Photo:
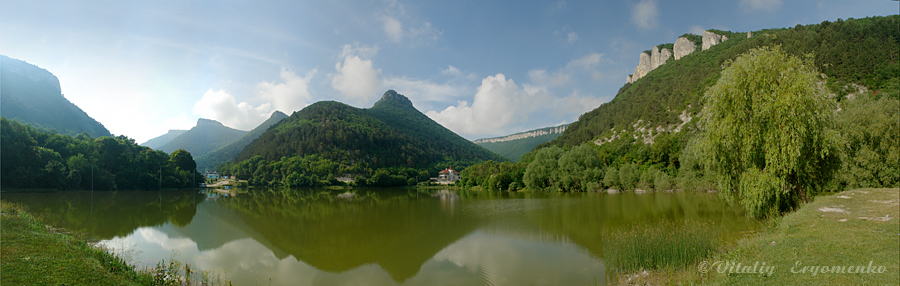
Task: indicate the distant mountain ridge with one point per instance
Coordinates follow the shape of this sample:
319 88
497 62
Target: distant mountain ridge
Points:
214 158
514 146
203 138
523 135
33 96
161 140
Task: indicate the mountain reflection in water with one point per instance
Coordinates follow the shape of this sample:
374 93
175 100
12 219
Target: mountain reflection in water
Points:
377 236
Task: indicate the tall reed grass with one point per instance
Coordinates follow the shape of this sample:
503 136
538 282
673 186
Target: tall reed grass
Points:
659 245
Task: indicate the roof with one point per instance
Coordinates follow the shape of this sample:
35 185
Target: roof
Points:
447 171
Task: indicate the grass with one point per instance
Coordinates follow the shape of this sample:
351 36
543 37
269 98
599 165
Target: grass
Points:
664 245
851 228
35 254
32 253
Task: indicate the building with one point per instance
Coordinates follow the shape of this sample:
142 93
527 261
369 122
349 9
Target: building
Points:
211 175
448 174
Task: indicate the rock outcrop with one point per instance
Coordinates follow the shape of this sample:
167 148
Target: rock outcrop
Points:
658 57
711 39
527 134
749 35
684 47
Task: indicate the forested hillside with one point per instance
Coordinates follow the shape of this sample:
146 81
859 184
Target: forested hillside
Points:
214 158
33 96
34 158
391 143
203 138
644 137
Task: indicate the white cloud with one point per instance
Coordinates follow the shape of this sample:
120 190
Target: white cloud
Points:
542 77
221 106
290 95
572 37
393 28
768 5
586 62
451 71
422 90
356 49
645 14
697 30
576 104
393 18
357 80
498 103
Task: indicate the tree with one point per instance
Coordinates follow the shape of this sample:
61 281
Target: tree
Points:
766 132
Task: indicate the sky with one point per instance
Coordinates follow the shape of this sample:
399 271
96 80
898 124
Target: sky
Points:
480 68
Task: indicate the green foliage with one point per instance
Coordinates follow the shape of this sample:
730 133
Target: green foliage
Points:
869 127
32 95
32 158
767 132
218 156
378 146
494 175
658 246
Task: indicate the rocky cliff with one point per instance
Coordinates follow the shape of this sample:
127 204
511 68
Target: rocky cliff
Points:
523 135
682 47
711 39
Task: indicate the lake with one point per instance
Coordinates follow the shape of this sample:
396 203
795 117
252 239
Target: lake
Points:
378 236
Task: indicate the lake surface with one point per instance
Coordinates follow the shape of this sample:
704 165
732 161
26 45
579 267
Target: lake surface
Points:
378 236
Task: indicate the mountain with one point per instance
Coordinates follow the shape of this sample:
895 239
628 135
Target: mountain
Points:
203 138
227 153
669 96
391 134
32 95
157 142
514 146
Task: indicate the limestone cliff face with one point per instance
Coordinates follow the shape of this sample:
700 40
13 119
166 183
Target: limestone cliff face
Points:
523 135
659 56
684 47
711 39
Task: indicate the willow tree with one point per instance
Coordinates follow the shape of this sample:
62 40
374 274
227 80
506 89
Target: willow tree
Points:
766 132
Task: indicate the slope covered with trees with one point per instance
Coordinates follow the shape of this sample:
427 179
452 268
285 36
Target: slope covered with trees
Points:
214 158
32 95
34 158
203 138
391 143
645 137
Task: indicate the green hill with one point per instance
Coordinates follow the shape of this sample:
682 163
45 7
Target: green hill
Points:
157 142
641 139
391 141
32 95
203 138
660 98
514 146
226 153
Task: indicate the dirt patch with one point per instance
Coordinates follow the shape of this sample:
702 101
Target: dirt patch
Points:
833 210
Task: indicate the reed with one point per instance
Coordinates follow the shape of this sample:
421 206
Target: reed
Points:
660 245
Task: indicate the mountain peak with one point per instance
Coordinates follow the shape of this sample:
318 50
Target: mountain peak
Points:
393 96
208 122
278 114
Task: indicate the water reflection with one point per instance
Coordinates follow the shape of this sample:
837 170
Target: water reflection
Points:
383 237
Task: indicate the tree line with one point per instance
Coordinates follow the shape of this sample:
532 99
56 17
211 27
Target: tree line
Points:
36 158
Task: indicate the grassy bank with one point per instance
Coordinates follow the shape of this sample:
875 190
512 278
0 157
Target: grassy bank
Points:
850 232
854 233
34 254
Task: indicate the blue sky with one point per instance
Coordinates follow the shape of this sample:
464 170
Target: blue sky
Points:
480 68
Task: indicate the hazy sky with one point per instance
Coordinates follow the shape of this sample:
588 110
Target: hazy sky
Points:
481 68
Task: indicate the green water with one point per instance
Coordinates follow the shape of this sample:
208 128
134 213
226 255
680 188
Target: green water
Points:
378 236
